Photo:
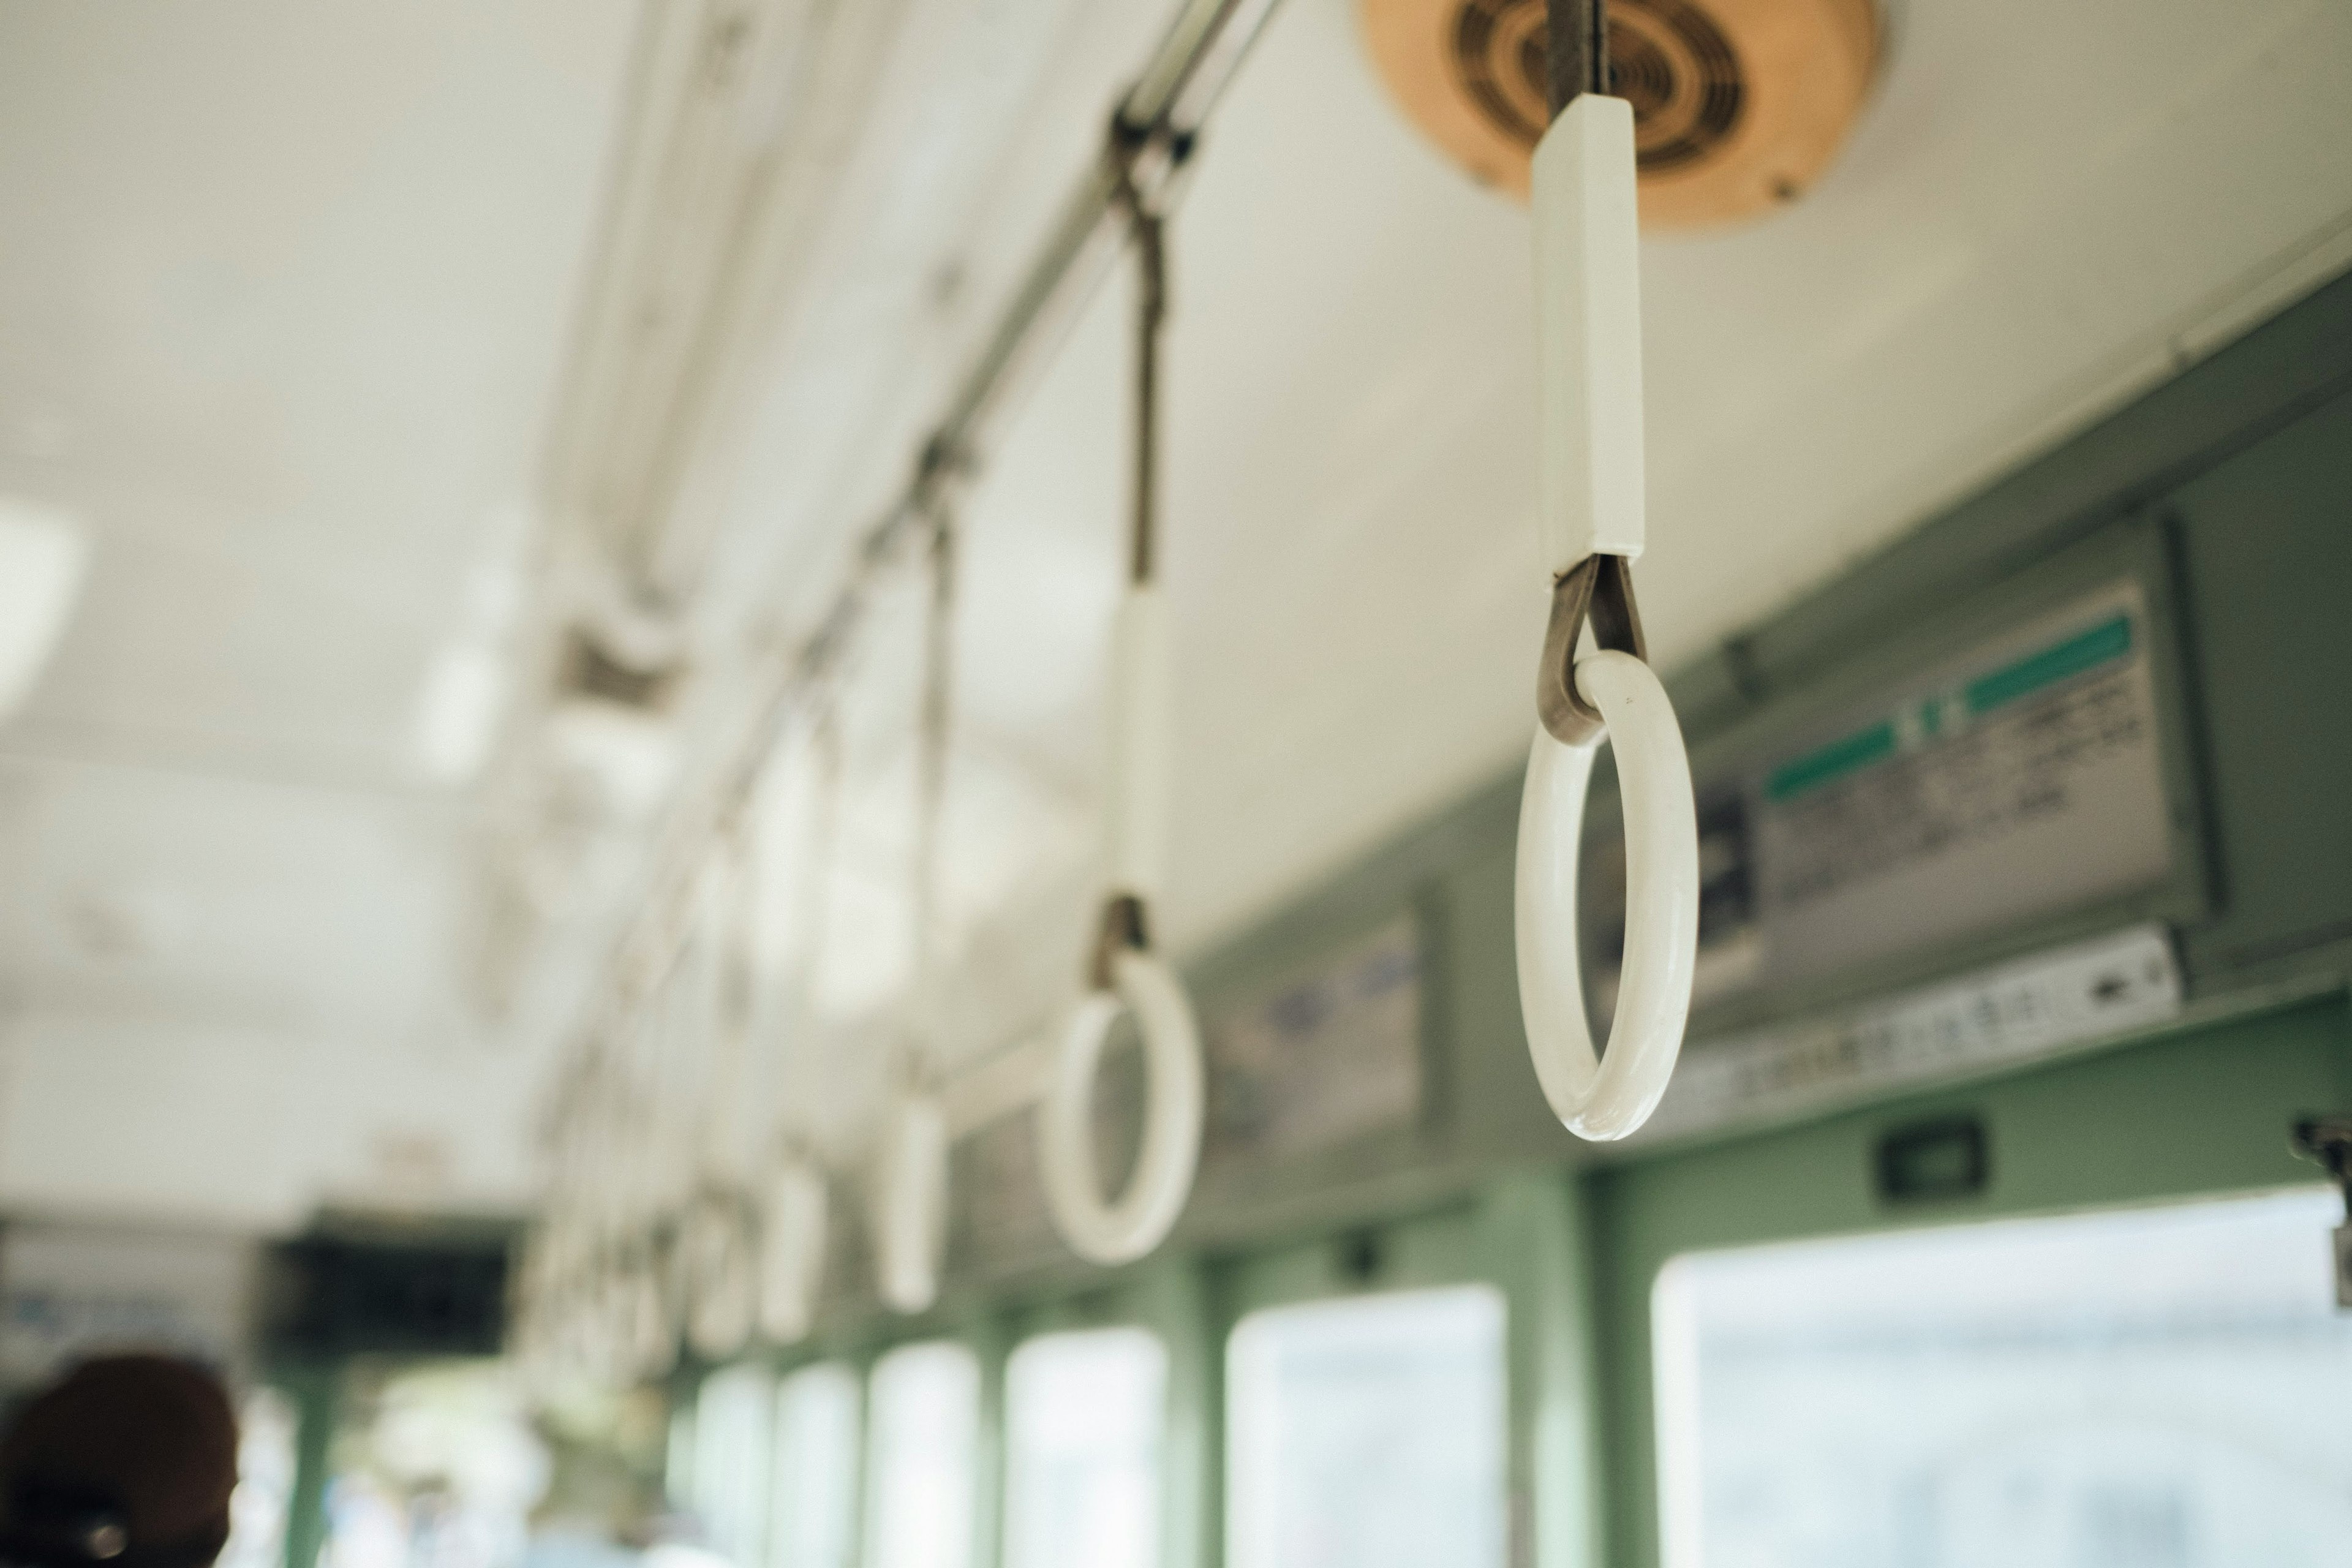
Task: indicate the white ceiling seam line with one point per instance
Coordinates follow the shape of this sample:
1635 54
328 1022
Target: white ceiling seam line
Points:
1150 137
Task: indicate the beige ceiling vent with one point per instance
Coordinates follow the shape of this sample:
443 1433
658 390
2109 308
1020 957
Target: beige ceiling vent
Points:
1738 105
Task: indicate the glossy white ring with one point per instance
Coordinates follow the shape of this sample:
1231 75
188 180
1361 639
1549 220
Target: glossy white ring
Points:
910 1204
1121 1230
1610 1096
721 1279
791 1251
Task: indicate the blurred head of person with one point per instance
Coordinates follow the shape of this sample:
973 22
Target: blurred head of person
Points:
127 1461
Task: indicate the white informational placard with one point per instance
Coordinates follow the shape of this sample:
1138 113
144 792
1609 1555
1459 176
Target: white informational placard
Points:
2020 780
69 1292
2001 1016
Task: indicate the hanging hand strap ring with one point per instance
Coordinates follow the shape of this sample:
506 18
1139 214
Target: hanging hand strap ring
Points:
796 1213
1588 301
911 1186
1124 974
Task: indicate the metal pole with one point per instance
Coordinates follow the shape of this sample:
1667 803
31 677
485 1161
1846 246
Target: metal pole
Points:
1580 50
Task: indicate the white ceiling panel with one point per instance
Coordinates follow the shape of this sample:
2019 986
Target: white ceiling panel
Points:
282 303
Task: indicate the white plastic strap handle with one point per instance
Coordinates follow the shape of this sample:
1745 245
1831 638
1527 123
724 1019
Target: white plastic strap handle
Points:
1589 331
1609 1096
1121 1230
911 1202
1135 788
1113 1231
791 1251
722 1301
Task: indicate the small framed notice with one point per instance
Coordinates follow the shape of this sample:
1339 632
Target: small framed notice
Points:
1327 1057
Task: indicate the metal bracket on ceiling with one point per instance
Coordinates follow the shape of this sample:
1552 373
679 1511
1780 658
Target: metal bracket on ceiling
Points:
1597 589
2326 1142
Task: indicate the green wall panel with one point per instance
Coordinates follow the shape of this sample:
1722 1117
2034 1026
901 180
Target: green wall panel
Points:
2267 540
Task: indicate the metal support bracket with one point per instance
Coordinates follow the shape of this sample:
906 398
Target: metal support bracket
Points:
1124 928
1597 589
2327 1142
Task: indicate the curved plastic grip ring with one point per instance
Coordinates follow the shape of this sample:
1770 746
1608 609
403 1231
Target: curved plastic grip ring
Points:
1124 1229
910 1211
791 1251
1610 1096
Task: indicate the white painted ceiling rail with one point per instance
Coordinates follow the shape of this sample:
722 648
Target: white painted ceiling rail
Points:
1592 525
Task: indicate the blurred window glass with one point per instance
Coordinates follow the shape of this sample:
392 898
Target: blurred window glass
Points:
2154 1388
435 1465
1083 1414
1367 1433
925 1422
816 1468
257 1510
732 1414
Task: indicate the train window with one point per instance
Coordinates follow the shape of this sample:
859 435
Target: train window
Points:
2119 1388
926 1423
265 1481
1367 1433
1083 1413
733 1416
677 1453
814 1521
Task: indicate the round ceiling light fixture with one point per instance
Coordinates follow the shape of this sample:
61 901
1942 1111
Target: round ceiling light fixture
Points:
1738 105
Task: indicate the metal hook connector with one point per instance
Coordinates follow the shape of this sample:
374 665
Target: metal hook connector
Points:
1598 589
1123 929
2326 1142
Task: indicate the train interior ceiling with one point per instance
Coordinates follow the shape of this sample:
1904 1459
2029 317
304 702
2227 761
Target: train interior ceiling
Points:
768 792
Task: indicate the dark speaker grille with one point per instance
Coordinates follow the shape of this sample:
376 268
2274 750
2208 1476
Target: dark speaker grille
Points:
1669 60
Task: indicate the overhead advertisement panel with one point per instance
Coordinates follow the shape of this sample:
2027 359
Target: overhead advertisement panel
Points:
2019 780
2015 780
